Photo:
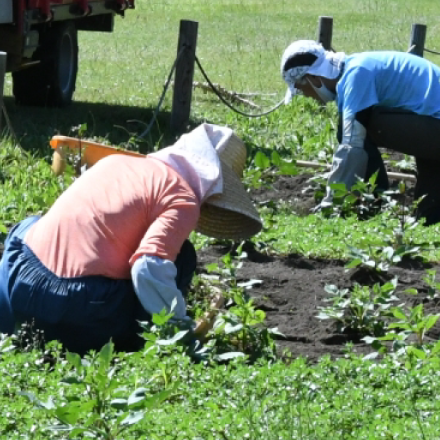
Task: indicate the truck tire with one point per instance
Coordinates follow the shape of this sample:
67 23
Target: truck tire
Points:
50 83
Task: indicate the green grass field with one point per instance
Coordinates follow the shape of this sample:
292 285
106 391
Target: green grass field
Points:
121 77
240 43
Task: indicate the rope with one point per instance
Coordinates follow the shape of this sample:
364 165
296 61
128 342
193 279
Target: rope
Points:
431 51
165 88
249 115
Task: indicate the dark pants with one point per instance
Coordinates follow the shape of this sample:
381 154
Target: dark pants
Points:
412 134
83 313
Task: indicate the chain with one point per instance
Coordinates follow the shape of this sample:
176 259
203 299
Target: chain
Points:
249 115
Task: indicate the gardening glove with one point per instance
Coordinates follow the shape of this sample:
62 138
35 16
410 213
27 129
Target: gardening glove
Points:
205 323
349 164
350 159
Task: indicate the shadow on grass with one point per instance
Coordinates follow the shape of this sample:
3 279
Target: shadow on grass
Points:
34 126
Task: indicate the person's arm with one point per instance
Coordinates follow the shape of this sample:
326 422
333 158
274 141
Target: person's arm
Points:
153 271
154 281
350 159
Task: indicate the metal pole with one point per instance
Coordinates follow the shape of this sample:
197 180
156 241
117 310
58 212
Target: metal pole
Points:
417 40
325 32
183 80
3 58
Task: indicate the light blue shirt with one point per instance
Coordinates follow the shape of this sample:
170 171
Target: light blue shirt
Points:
389 79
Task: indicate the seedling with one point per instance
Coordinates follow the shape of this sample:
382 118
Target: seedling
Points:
362 199
414 321
241 327
433 285
363 310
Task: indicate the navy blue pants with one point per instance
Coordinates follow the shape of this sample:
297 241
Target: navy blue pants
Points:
408 133
82 313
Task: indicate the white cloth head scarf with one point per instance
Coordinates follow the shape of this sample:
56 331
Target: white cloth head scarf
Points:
328 64
194 156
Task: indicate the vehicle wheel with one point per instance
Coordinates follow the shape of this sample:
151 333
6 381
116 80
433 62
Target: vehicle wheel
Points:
52 81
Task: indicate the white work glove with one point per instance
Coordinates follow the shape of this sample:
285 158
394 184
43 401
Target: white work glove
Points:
349 164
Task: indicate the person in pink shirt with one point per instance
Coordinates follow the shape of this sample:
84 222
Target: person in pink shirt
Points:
113 249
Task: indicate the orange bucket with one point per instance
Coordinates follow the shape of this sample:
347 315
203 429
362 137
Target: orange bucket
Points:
90 151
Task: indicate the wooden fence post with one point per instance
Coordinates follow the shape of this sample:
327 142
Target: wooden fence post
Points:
325 32
183 79
417 40
3 57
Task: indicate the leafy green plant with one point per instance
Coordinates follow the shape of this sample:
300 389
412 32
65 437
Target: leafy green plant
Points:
407 337
397 210
199 297
362 199
414 321
372 257
433 285
97 406
241 329
266 169
395 243
362 310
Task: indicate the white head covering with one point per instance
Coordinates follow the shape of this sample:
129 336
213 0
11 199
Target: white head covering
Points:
195 158
328 64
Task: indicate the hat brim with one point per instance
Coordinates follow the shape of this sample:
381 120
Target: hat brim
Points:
231 214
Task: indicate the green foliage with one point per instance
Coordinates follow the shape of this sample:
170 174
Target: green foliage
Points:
433 286
362 199
350 398
394 244
241 329
21 177
414 321
97 405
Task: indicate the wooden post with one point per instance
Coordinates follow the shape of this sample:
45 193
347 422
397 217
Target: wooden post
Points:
417 40
325 32
3 57
183 80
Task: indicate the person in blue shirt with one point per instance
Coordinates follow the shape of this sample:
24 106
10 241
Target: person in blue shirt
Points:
388 99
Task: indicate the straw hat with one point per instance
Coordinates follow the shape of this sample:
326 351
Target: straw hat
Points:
230 214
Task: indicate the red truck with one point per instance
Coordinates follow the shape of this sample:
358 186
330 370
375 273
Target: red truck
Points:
40 39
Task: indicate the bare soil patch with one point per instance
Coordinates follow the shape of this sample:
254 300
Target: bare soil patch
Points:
292 286
292 290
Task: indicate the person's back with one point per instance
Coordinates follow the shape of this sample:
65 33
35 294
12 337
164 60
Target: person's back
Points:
104 219
389 79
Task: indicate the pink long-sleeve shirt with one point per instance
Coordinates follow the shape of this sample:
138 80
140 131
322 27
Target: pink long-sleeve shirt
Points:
122 208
